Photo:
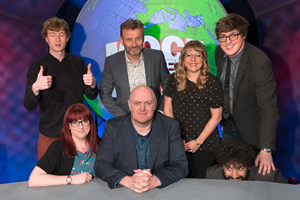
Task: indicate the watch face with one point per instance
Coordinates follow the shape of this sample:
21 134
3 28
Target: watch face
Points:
267 150
69 180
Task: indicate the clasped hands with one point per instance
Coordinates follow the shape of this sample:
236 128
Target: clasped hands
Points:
190 146
141 181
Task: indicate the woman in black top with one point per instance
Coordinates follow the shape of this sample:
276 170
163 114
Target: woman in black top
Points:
195 98
70 160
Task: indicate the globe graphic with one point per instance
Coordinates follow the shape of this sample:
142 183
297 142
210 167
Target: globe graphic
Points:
168 24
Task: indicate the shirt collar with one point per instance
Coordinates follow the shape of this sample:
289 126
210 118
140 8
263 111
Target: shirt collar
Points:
237 57
129 62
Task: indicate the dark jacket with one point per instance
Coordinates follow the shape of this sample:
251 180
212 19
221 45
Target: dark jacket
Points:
115 75
255 106
117 156
215 172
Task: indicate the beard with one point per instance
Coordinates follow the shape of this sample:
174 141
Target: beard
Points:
241 178
134 51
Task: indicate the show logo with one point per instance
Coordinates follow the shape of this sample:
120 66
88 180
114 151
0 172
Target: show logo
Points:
168 25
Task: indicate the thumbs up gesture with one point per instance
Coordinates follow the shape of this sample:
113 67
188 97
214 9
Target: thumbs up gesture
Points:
42 82
88 78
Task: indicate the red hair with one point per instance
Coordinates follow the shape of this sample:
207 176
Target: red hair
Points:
78 112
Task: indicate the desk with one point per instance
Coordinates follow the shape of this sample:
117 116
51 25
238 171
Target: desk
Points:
185 189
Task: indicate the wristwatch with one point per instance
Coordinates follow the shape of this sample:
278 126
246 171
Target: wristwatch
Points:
267 150
69 179
198 144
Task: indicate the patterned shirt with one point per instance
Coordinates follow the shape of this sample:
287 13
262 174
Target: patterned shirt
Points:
84 162
136 73
191 107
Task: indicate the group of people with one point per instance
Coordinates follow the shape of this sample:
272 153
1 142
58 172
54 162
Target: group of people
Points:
143 147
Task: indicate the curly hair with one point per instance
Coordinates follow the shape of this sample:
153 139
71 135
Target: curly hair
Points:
181 71
236 152
55 24
231 22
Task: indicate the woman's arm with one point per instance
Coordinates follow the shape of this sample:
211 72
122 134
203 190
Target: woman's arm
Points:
39 178
216 116
168 110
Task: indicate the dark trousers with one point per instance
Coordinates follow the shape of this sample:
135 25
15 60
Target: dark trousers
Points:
199 162
230 130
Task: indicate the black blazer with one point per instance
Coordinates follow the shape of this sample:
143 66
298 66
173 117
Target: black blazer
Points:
255 106
115 75
117 155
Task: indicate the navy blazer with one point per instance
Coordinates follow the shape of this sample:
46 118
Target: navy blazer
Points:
115 76
117 156
255 106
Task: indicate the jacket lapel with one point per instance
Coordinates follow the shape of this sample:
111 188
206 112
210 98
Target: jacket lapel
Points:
129 141
155 141
148 68
241 71
123 77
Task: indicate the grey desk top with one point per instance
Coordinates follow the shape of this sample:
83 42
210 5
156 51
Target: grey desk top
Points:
185 189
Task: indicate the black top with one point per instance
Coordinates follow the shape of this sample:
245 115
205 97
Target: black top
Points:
55 161
67 89
191 107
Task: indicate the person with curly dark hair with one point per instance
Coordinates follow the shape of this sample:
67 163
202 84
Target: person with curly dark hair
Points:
236 162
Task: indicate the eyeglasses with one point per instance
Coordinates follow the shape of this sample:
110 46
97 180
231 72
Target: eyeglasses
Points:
197 56
232 37
85 122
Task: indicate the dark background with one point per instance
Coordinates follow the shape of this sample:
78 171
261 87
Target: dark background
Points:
274 27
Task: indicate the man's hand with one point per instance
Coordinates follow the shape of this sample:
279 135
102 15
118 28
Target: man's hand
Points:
81 178
141 181
265 162
42 82
130 182
88 78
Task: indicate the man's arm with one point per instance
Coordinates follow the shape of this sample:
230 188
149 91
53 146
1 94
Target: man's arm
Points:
274 176
214 172
90 83
31 97
105 160
265 88
164 76
178 165
106 89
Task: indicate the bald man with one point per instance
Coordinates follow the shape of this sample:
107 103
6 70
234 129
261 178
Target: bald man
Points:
143 149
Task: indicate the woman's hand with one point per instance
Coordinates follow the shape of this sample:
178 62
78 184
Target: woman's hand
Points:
191 146
81 178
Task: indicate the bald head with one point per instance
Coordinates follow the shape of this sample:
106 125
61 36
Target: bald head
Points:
142 88
142 104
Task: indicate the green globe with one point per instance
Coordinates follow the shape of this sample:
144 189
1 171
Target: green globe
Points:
169 24
192 19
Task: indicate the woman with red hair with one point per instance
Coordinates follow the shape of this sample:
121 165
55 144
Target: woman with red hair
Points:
71 159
